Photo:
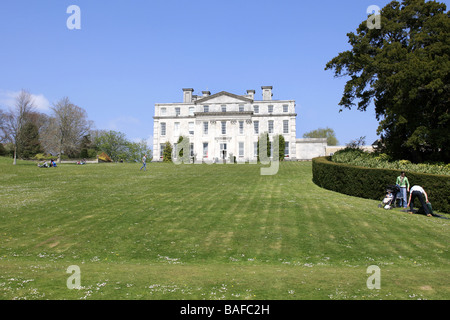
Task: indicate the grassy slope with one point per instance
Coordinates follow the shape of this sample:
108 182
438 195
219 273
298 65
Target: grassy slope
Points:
207 232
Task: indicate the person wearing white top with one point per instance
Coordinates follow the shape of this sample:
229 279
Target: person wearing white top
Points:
418 192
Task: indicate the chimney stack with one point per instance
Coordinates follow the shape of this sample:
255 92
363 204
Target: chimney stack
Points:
187 95
206 93
267 92
251 94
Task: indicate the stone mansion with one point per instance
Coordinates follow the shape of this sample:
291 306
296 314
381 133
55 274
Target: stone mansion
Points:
222 125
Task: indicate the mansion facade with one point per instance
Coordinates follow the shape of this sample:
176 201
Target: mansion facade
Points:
225 125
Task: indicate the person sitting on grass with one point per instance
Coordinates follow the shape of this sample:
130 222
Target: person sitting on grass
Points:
44 165
419 192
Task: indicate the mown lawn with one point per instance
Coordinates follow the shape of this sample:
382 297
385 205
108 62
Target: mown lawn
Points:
207 232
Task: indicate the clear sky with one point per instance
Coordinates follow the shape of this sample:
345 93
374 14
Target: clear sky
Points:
129 55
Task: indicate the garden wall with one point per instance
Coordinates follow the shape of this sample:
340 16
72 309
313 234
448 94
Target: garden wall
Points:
371 183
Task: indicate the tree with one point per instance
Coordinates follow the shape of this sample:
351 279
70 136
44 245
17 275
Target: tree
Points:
71 126
136 150
113 143
3 151
281 146
404 68
28 141
48 134
357 143
3 127
15 120
167 153
327 133
85 146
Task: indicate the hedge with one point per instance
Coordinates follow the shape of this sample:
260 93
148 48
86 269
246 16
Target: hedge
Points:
370 183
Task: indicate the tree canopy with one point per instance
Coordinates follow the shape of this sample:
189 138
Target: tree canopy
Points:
404 69
323 133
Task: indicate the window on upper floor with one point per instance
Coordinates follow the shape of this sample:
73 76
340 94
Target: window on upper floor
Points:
241 127
256 126
285 126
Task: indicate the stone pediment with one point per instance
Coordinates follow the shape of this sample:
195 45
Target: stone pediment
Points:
223 97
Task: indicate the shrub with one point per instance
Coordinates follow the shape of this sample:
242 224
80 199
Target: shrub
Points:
3 151
92 154
167 153
43 156
362 158
371 183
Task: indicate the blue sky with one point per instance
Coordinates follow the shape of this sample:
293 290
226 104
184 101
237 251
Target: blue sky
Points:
129 55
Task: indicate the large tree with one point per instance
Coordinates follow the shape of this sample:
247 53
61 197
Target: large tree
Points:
71 124
28 141
404 69
113 143
16 118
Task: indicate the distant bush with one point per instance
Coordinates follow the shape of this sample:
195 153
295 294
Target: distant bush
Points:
43 156
91 154
371 183
362 158
3 151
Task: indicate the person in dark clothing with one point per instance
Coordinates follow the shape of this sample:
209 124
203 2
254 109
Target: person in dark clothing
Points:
419 192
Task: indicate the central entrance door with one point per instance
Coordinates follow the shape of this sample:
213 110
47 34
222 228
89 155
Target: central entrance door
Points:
223 151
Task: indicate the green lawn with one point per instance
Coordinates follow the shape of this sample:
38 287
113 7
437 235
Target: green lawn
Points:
207 232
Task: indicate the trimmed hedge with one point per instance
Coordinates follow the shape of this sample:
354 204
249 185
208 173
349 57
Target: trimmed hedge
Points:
370 183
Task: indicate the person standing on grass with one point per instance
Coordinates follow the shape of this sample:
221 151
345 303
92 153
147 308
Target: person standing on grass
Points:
419 192
403 183
144 163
